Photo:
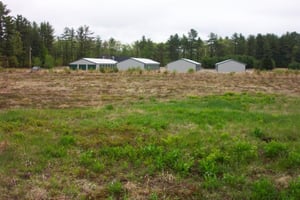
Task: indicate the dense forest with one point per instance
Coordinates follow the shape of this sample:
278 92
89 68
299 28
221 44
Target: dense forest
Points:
24 43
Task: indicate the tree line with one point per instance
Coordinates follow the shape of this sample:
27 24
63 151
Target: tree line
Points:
24 43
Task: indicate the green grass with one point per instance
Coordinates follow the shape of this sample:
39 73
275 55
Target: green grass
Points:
232 146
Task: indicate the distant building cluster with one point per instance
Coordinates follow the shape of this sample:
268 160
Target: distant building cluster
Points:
182 65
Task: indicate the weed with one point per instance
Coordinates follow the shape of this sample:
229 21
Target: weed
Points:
54 152
97 166
67 140
211 182
234 180
258 133
109 107
293 159
244 151
275 149
87 158
263 189
115 188
191 71
293 191
133 70
153 196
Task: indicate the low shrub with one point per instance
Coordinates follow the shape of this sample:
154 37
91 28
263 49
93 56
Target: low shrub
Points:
294 65
275 149
258 133
115 188
67 140
293 159
244 151
191 71
263 189
54 152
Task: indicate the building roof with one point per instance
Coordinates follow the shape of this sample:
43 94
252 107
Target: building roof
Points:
146 61
225 61
101 60
97 61
191 61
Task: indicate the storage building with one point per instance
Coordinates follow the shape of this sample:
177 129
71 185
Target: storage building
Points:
230 65
93 63
142 63
183 65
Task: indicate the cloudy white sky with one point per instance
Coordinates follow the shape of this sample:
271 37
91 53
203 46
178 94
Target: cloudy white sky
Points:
129 20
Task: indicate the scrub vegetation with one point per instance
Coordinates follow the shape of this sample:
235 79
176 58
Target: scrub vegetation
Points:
221 145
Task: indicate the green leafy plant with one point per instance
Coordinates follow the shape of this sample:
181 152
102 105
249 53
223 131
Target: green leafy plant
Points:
275 149
263 189
115 188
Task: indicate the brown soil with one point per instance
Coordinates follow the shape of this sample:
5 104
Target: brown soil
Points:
63 88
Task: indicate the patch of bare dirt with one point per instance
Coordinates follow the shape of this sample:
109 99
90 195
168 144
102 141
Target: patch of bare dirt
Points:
62 89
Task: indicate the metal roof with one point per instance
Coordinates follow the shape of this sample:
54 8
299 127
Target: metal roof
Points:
191 61
96 61
100 60
145 61
225 61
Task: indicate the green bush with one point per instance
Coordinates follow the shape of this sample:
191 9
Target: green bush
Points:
135 70
115 188
109 107
258 133
275 149
244 151
37 61
67 140
267 63
294 65
263 189
54 152
13 61
49 61
191 71
293 191
87 158
293 159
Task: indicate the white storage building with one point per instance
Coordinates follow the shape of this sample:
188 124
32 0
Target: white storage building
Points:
230 65
93 63
142 63
183 65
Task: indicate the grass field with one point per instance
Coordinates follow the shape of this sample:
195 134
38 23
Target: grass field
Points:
84 135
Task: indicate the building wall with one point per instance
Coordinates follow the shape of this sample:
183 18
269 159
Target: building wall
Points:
231 66
129 63
86 65
81 64
181 66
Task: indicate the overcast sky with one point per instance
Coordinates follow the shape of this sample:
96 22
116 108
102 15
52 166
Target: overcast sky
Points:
129 20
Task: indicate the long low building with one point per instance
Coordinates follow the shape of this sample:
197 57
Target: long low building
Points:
142 63
183 65
93 63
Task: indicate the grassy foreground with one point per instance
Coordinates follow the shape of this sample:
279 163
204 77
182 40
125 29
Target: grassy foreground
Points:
231 146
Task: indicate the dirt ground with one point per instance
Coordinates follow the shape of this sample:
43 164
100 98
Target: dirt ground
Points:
61 88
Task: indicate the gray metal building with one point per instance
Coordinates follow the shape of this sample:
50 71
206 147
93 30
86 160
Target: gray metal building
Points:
183 65
93 63
230 65
142 63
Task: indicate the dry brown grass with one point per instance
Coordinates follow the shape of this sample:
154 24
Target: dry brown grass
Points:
63 89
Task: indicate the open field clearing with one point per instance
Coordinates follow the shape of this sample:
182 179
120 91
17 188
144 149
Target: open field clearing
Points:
61 89
87 135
